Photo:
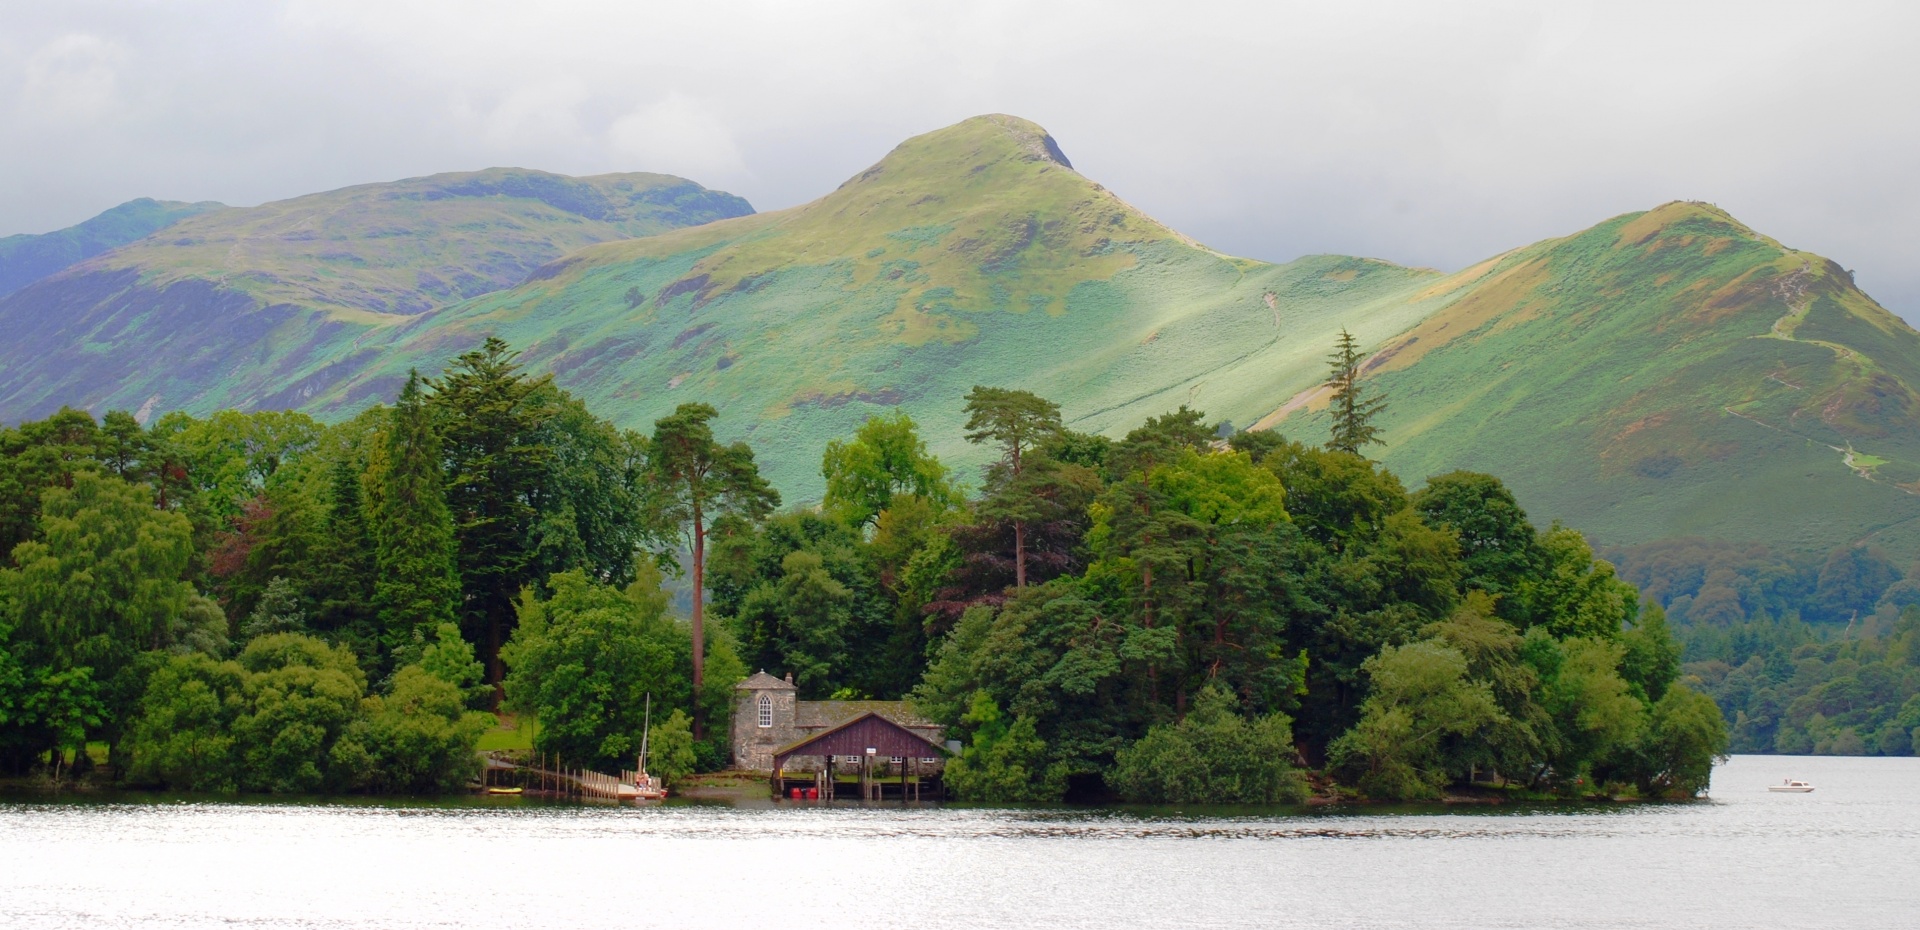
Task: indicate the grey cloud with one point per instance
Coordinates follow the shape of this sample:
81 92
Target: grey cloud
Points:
1426 133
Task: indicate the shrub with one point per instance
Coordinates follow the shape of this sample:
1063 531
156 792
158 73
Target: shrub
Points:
1213 756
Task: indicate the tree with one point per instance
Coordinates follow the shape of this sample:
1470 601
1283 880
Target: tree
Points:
417 738
1574 594
416 587
802 596
266 721
1499 547
1354 407
231 456
885 458
701 480
1850 582
279 611
488 416
1685 737
670 752
449 657
1213 756
344 571
594 506
1597 719
299 697
585 659
1338 499
1421 695
1004 763
291 714
104 579
1017 422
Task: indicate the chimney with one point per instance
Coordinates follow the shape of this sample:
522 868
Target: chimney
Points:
789 678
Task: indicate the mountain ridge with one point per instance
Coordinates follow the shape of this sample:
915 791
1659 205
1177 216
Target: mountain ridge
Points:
1687 366
968 254
248 306
1668 372
29 257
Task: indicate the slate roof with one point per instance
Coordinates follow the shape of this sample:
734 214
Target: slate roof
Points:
816 714
850 736
761 681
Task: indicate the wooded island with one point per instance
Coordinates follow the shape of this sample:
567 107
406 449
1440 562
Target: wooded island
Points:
259 602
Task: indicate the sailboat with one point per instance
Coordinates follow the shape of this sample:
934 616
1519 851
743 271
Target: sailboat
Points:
645 787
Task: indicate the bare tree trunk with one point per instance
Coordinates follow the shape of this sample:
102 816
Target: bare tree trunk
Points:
699 617
1019 554
496 675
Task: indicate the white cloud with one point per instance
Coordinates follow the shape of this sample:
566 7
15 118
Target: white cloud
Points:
1430 133
677 135
71 79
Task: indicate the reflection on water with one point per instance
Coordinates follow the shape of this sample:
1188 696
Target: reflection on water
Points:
1840 857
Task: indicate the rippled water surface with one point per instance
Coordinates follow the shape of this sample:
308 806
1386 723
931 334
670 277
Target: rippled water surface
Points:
1847 855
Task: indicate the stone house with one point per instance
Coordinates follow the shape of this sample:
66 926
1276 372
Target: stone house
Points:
768 717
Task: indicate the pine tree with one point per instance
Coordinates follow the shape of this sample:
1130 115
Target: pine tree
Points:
1017 422
700 480
345 564
415 587
489 414
1353 406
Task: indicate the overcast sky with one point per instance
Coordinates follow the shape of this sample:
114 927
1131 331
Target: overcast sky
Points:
1422 132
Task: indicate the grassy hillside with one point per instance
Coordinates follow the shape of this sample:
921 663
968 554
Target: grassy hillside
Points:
970 255
252 307
27 258
1668 373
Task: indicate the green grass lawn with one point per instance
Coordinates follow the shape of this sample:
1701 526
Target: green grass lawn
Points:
511 733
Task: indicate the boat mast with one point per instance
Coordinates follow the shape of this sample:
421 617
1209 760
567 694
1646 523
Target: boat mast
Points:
646 730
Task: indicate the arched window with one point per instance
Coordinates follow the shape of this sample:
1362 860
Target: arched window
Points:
766 711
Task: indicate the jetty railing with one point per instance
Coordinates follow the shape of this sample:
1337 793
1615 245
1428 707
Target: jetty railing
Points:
551 776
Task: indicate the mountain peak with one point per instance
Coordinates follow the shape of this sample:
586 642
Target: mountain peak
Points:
1687 218
982 145
985 214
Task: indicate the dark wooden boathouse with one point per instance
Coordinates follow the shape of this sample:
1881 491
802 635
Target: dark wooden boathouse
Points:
872 740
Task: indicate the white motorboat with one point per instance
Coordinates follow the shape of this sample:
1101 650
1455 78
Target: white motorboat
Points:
1793 786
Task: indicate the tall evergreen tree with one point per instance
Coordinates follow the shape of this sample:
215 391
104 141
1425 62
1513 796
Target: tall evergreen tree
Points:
489 416
1017 422
700 480
1354 407
415 587
345 565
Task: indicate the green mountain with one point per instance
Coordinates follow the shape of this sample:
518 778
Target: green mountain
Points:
1667 373
1662 374
971 255
252 307
27 258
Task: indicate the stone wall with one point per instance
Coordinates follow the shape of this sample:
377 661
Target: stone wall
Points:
753 744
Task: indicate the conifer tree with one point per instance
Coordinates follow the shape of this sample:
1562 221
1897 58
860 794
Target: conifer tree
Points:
489 415
700 480
415 586
1017 422
345 567
1353 406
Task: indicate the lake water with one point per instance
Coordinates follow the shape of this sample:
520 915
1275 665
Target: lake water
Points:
1847 855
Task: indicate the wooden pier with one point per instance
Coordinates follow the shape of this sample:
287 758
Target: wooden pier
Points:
548 777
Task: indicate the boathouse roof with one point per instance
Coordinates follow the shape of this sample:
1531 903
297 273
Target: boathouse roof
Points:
867 731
